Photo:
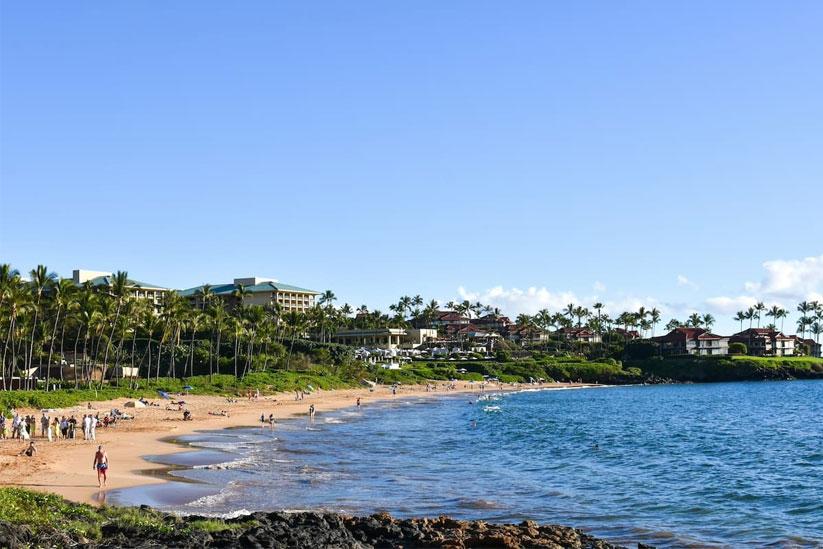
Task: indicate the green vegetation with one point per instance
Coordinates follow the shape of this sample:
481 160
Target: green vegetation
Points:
49 513
268 382
736 368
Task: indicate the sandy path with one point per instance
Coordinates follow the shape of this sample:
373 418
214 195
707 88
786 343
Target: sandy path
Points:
65 466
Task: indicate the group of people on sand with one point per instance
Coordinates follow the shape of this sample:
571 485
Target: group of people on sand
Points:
25 427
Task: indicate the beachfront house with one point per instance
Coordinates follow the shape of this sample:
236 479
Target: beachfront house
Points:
765 342
692 341
266 292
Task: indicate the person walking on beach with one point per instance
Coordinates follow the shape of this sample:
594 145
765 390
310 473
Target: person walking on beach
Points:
93 426
101 463
44 425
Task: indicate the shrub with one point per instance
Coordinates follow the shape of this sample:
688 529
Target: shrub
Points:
641 349
501 355
738 349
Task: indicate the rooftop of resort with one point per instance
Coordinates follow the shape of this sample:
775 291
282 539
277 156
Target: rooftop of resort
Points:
102 278
250 284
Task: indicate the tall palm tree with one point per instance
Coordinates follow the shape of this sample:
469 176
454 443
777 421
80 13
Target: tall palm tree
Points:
61 296
759 308
740 316
118 288
708 321
41 281
327 298
804 308
695 320
654 316
750 315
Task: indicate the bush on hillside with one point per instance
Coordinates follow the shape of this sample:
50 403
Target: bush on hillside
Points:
642 349
738 349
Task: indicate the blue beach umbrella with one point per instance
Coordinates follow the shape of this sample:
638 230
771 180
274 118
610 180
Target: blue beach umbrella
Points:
163 394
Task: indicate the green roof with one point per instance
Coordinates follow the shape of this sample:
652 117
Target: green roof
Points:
227 289
106 281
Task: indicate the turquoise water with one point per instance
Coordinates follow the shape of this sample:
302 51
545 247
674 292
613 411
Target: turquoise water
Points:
682 465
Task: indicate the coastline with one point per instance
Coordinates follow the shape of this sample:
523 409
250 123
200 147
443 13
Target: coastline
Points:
64 467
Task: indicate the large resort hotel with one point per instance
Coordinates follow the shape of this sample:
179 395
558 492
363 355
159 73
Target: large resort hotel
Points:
136 289
266 292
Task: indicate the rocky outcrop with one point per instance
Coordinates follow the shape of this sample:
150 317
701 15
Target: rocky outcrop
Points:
322 530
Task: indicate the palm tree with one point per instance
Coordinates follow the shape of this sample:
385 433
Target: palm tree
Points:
804 308
673 324
118 286
41 281
708 321
740 316
774 312
62 296
580 313
750 314
758 310
654 316
695 320
327 298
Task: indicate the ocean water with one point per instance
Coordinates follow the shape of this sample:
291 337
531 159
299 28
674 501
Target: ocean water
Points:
727 465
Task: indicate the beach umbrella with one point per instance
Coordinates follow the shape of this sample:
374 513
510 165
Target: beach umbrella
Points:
188 387
163 394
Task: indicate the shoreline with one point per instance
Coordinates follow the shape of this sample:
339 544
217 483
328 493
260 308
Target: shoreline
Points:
64 467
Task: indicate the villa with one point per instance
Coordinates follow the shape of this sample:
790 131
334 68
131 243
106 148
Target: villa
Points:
692 341
765 342
450 319
266 292
137 289
581 335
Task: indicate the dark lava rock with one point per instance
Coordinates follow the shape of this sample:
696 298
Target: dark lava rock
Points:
320 530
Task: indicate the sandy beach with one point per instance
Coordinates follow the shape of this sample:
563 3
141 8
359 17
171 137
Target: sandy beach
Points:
65 466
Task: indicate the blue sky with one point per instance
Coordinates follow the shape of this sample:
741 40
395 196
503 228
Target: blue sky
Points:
643 152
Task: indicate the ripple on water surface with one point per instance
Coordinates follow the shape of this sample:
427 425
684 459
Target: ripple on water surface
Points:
738 464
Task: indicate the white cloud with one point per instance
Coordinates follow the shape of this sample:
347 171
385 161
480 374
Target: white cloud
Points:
784 283
684 281
599 286
796 279
730 305
515 300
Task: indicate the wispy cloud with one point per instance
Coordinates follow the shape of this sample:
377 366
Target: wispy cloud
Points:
598 286
683 280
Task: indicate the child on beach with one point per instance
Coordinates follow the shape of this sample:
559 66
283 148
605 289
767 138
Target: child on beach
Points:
30 450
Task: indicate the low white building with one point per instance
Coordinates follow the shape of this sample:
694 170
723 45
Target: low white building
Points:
386 338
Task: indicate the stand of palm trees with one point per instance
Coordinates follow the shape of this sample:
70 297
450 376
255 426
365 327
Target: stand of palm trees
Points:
53 326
